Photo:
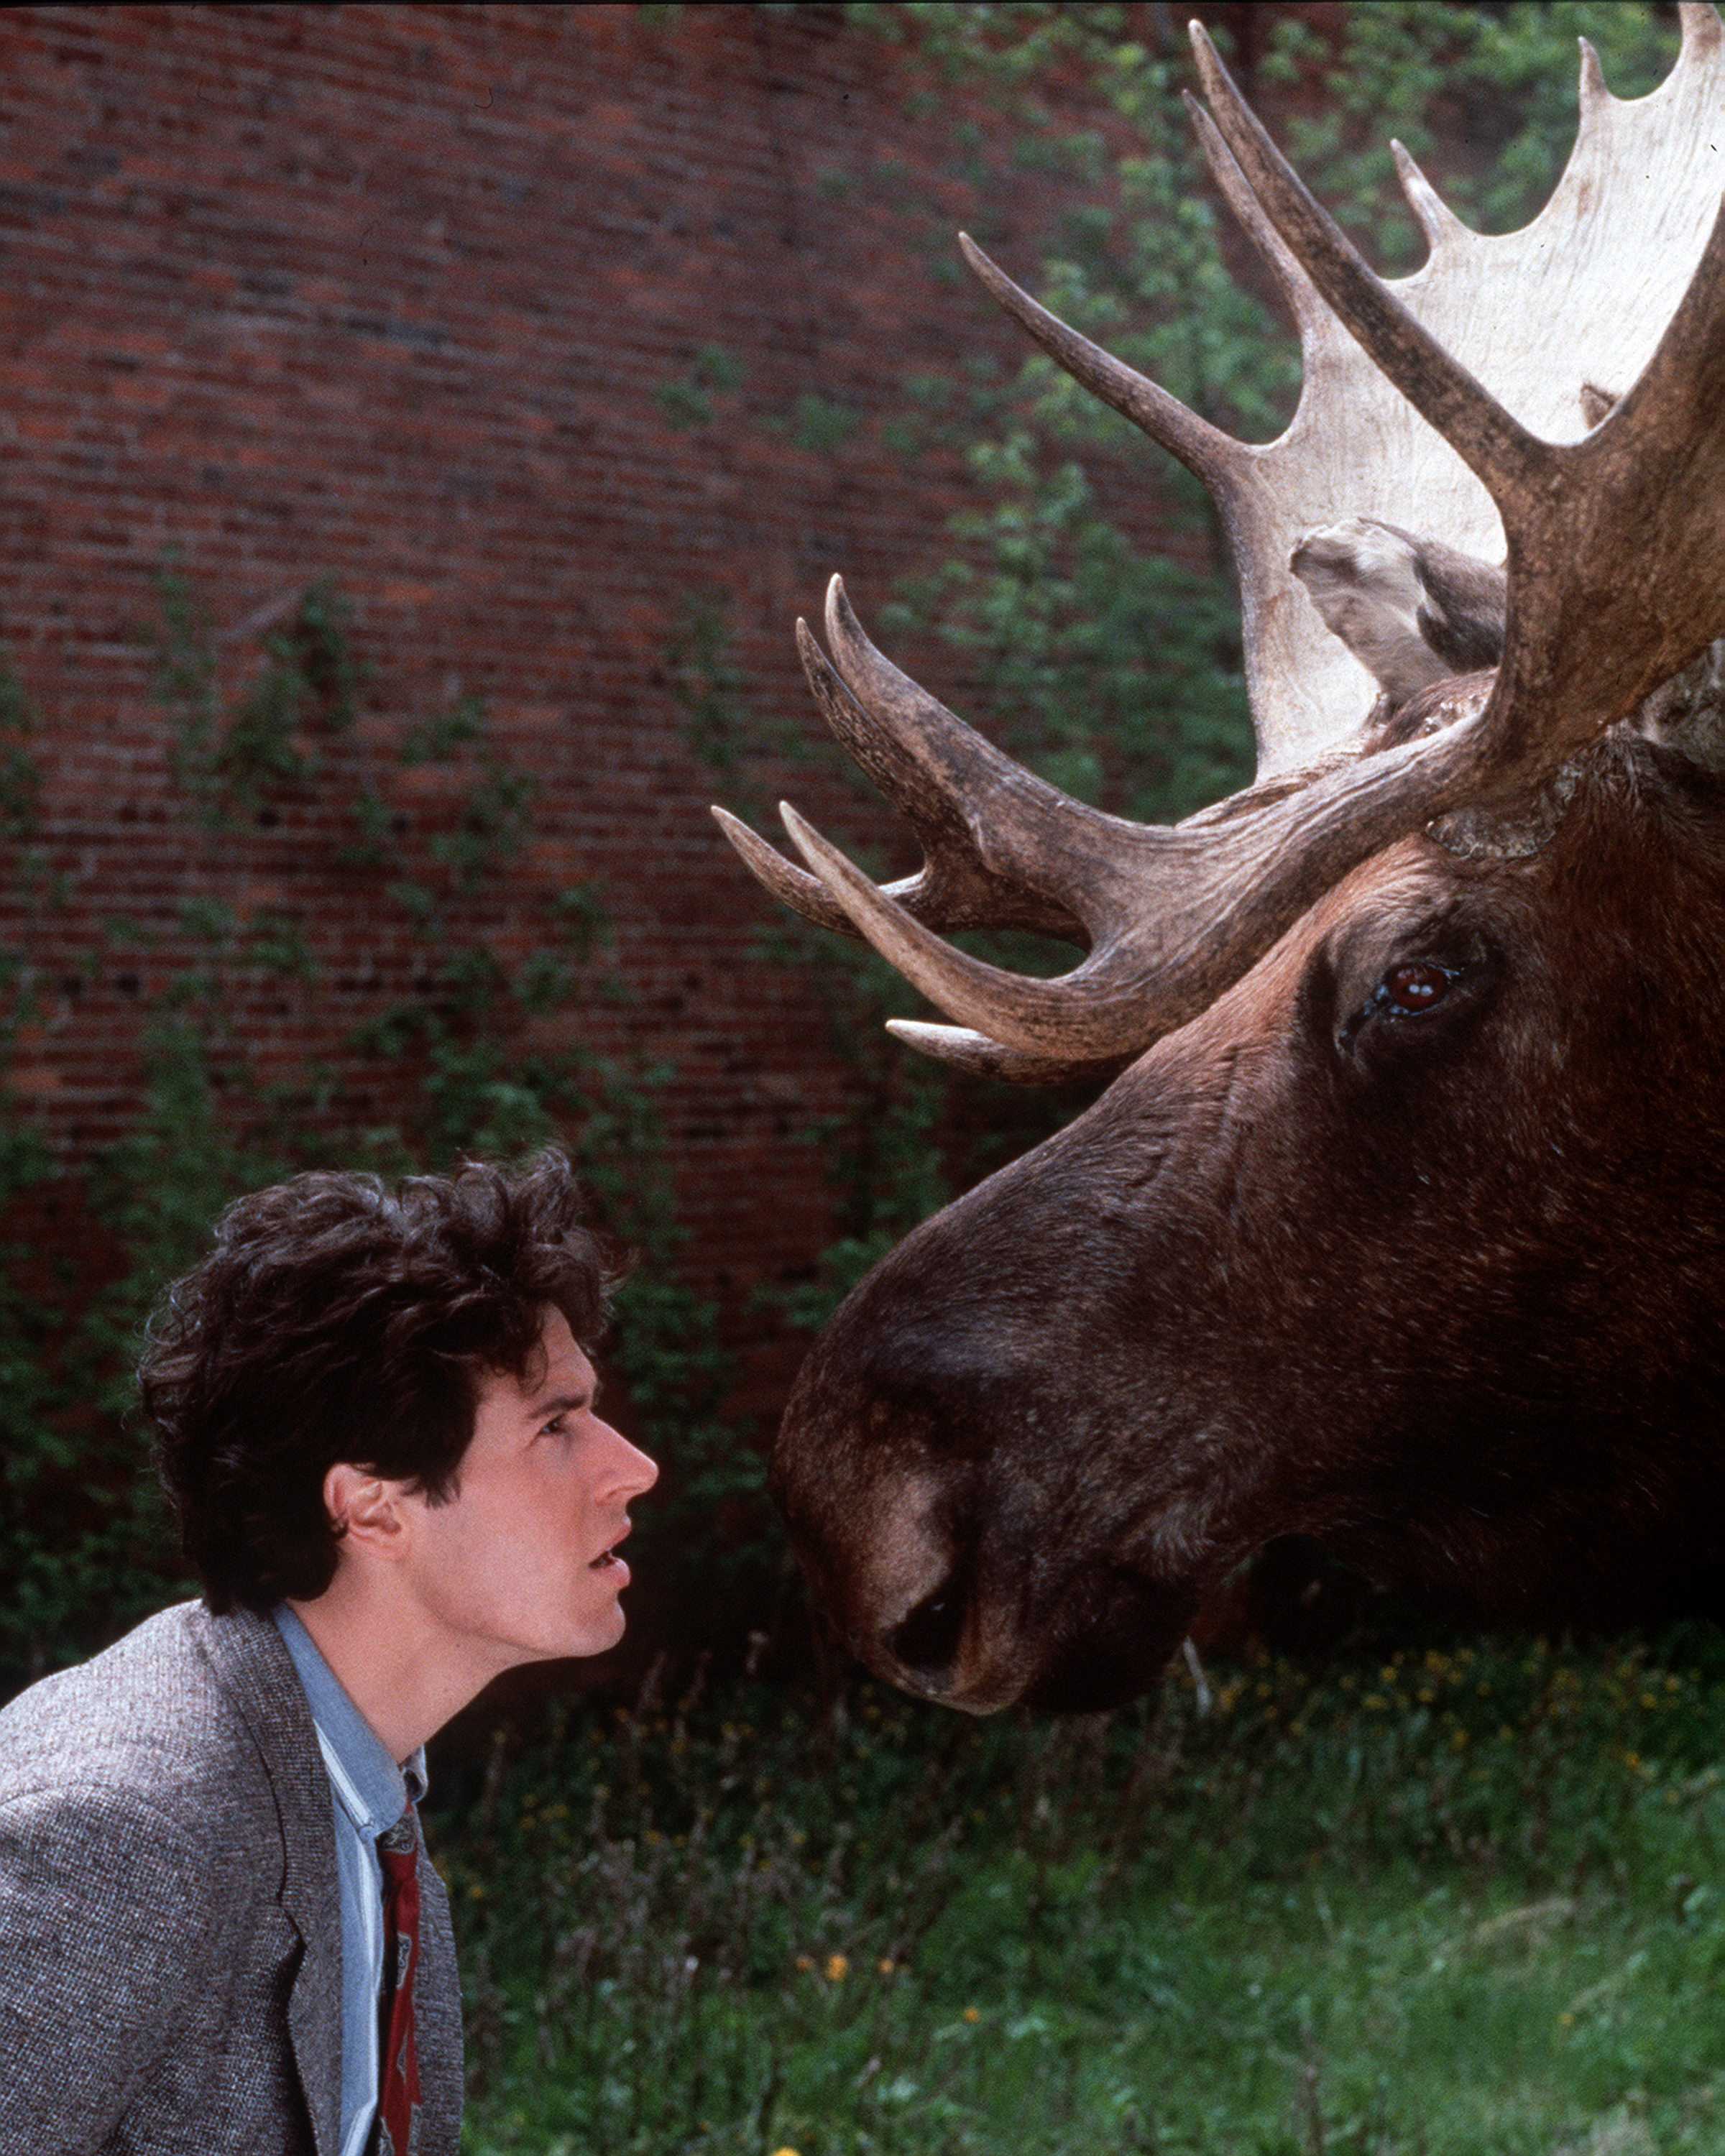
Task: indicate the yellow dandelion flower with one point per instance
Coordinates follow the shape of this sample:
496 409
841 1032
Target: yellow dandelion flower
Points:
805 1964
972 2014
885 1965
477 1891
784 2152
837 1965
1568 2020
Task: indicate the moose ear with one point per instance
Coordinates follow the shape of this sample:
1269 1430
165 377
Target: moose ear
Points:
1412 611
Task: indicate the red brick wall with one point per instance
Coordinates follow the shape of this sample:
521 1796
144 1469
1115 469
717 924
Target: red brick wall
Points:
384 293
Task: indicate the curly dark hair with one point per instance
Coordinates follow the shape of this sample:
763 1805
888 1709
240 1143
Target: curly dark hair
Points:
336 1320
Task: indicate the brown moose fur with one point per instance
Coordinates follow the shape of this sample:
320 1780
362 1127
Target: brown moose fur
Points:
1444 1291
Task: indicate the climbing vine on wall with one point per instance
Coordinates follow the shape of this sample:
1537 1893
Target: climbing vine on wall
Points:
469 1047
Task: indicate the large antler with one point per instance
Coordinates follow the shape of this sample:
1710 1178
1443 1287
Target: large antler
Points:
1474 382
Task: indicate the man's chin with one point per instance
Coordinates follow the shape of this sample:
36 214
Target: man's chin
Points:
575 1639
599 1634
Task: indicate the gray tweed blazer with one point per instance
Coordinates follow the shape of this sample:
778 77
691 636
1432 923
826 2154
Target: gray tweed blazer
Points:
170 1937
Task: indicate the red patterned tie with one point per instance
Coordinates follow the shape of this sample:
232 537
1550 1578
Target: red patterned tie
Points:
398 2058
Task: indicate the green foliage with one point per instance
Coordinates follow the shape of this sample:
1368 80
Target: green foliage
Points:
884 1147
468 1051
821 425
708 687
83 1543
307 683
1459 1902
883 1151
688 400
20 781
1413 70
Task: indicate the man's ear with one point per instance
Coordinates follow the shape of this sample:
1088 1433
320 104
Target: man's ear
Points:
365 1511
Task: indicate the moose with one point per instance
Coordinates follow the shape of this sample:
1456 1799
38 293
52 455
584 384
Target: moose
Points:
1401 1223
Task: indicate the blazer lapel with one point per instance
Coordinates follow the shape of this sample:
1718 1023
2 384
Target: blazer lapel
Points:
247 1654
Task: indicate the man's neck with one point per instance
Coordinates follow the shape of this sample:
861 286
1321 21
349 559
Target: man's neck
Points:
395 1666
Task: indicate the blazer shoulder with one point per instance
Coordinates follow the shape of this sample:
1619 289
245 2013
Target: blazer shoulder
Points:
157 1715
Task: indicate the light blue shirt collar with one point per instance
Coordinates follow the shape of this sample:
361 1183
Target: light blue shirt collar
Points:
368 1783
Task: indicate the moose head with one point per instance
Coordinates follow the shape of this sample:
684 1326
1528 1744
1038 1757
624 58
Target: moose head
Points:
1402 1224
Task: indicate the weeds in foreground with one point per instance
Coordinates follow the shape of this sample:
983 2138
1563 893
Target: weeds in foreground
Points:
1455 1902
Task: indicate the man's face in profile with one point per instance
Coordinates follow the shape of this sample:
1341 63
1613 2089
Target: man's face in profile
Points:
520 1565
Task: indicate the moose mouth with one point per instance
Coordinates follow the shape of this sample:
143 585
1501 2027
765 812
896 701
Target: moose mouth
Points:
1122 1654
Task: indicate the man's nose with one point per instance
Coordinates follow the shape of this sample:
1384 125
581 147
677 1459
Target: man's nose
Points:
633 1473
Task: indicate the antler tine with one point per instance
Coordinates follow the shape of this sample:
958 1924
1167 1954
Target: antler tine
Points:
1513 464
1437 220
1018 827
983 1058
957 890
954 889
1209 455
1591 90
1039 1016
1210 900
793 887
1297 288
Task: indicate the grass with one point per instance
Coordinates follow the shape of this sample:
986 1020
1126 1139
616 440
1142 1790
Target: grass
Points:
1450 1903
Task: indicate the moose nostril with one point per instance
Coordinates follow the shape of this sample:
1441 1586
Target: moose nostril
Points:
928 1639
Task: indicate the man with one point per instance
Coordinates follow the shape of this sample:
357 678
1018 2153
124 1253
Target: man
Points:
218 1929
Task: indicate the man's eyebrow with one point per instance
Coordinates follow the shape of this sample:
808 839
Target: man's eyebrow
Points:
564 1403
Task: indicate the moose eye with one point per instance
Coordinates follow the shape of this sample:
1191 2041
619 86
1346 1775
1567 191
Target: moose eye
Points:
1381 1011
1406 990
